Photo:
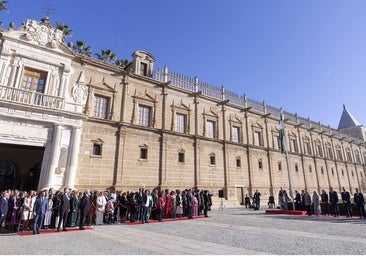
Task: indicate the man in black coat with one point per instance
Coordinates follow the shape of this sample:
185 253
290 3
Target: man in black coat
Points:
360 202
333 199
346 197
84 208
64 210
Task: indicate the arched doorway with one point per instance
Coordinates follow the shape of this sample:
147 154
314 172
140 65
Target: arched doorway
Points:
27 162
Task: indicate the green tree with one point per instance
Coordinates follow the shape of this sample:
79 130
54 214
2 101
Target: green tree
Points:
81 48
122 63
66 31
106 55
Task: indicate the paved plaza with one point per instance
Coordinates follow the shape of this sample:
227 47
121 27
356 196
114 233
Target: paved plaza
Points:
232 231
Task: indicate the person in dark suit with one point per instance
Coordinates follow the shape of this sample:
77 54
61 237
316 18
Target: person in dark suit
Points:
360 202
206 202
333 199
297 201
84 208
346 197
189 204
4 207
39 210
64 210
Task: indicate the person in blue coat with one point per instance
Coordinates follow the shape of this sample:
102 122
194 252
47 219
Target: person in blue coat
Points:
39 210
4 207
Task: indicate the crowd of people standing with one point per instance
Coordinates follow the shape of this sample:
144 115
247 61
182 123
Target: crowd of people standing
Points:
324 203
32 211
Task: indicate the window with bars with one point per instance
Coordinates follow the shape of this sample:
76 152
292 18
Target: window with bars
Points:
101 107
144 115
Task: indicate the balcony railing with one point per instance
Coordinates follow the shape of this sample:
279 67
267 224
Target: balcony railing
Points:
31 98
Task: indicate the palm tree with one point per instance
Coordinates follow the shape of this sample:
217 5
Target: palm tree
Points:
122 63
106 55
66 31
81 48
3 7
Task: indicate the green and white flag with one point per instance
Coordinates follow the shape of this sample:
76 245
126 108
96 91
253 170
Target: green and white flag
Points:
282 134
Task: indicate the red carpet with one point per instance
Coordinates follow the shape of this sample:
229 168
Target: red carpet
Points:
164 220
290 212
52 231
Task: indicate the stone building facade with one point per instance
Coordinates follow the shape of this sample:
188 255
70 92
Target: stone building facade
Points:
96 125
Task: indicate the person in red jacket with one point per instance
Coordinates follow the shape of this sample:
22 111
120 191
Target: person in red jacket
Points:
161 205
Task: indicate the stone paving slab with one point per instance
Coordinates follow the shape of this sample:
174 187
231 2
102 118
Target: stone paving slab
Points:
231 231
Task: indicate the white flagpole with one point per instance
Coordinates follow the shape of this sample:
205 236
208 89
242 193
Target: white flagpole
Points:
282 126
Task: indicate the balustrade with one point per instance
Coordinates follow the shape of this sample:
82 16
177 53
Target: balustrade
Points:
31 98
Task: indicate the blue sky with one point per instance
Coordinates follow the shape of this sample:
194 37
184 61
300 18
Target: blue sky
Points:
308 57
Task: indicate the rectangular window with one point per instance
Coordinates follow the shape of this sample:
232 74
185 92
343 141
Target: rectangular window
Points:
101 107
235 133
257 138
330 153
276 142
143 69
143 153
307 150
339 155
181 157
212 160
260 164
238 162
144 115
349 157
319 149
210 129
358 159
293 145
32 81
97 149
181 121
279 166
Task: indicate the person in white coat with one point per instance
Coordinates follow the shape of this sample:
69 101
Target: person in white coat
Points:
101 203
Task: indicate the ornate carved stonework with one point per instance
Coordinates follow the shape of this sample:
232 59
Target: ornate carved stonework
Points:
79 93
42 34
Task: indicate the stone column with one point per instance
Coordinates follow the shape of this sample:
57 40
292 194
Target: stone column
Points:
54 155
73 158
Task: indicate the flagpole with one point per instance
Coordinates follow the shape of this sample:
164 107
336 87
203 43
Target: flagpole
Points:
290 180
284 149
